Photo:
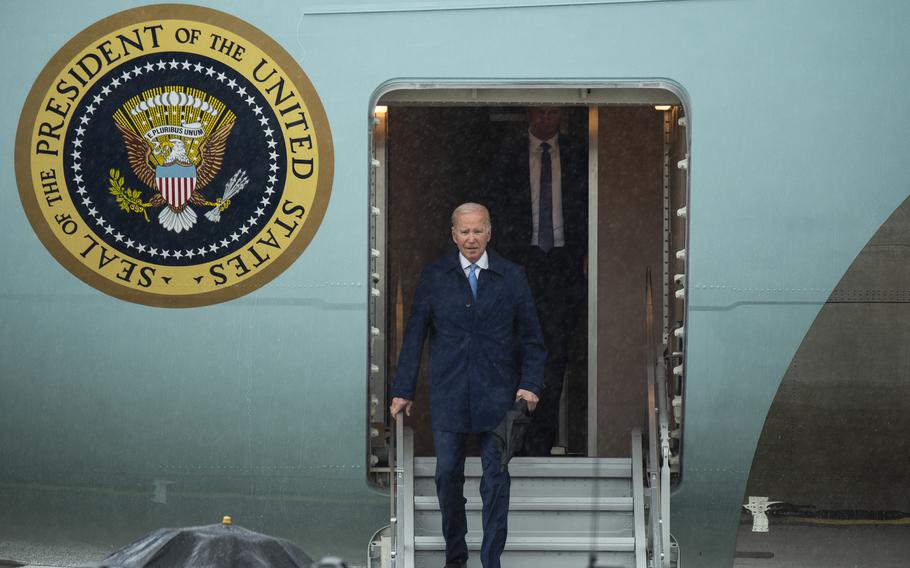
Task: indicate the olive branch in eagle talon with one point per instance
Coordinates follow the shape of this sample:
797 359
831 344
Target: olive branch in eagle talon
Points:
129 200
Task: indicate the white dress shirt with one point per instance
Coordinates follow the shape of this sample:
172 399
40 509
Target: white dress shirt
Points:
534 143
482 263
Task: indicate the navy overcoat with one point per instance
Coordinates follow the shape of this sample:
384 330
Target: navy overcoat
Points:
481 352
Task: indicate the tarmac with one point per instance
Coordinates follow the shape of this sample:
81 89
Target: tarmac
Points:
829 546
39 554
784 546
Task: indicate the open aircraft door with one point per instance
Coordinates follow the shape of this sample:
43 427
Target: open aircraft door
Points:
597 494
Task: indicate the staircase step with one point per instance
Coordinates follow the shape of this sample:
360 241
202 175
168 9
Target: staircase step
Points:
539 525
428 503
535 559
539 516
538 544
561 467
559 487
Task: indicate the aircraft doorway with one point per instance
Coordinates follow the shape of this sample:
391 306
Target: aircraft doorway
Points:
431 154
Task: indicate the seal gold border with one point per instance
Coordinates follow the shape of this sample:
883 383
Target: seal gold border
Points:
279 55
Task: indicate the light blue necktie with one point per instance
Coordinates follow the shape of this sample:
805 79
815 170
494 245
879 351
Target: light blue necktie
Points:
472 280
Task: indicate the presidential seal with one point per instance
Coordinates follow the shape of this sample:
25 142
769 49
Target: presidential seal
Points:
174 156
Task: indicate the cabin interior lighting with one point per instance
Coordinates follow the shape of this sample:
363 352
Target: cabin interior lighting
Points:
662 107
380 110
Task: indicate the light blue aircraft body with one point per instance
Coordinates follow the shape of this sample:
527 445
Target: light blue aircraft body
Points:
257 407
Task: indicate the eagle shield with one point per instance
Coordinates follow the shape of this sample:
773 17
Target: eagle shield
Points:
176 183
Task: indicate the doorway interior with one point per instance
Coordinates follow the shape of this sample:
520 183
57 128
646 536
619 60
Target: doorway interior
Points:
432 150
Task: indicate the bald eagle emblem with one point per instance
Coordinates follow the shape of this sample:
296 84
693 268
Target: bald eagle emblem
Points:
175 138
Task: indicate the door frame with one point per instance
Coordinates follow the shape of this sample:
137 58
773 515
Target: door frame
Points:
591 93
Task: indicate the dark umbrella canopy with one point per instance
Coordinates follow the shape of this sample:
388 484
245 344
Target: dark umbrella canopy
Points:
210 546
510 433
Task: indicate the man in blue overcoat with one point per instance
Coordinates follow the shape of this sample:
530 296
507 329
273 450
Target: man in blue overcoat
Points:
486 352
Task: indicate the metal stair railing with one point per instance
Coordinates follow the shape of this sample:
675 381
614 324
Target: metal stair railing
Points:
664 425
402 495
658 443
638 501
395 474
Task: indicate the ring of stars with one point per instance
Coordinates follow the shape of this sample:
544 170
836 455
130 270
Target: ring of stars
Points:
144 248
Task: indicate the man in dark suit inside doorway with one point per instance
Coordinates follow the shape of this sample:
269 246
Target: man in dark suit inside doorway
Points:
538 197
486 352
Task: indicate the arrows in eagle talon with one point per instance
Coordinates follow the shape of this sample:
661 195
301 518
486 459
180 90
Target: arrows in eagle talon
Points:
234 186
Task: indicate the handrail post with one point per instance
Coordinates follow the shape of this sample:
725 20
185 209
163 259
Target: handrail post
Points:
638 501
396 473
664 421
653 417
658 440
393 490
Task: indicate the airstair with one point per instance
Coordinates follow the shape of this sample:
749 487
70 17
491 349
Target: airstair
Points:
564 511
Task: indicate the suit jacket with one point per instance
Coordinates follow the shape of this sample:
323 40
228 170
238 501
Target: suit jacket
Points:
481 351
508 197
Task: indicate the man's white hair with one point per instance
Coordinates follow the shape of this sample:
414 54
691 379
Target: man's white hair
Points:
471 208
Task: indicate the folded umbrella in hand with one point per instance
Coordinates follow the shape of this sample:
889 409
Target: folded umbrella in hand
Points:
510 433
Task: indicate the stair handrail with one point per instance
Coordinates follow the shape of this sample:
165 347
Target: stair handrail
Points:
664 424
638 500
658 441
396 472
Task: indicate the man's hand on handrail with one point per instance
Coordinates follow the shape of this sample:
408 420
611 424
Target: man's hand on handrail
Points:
399 404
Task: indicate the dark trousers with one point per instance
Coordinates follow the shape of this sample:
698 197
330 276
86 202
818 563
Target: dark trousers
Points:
558 286
494 491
